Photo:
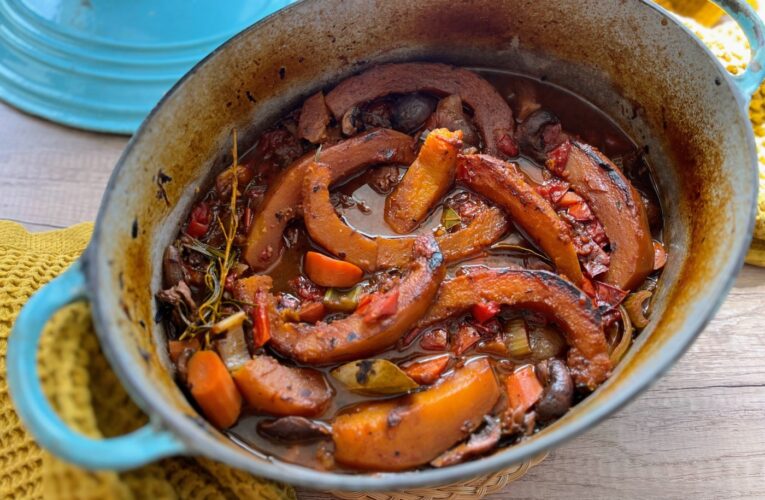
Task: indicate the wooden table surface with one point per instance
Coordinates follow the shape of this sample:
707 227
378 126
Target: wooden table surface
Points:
697 433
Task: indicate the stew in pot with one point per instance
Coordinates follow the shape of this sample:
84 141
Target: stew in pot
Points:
415 268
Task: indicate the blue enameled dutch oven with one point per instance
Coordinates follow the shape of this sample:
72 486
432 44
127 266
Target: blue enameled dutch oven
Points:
630 59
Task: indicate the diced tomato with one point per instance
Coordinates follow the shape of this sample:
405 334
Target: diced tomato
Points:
199 221
523 389
364 302
558 157
381 307
484 311
312 312
435 340
580 212
466 337
261 328
570 199
306 289
553 189
587 287
659 255
608 296
427 371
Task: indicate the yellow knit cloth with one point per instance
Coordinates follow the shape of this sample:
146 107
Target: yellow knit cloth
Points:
88 396
729 44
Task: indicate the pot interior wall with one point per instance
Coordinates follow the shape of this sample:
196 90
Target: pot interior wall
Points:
625 57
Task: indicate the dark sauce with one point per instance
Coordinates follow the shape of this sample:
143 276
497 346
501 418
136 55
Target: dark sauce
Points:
578 117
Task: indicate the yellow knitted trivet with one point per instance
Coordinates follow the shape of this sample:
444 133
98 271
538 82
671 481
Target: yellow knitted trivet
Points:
88 396
729 44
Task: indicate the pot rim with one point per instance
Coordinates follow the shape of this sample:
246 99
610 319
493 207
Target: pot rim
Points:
199 441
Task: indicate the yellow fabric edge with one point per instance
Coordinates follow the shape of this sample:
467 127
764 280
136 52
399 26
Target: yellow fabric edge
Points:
66 241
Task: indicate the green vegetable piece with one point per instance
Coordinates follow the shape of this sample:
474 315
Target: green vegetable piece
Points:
516 338
450 218
337 301
374 377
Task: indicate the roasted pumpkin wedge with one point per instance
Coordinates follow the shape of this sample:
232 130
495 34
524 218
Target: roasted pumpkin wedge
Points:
502 183
413 430
282 201
615 203
542 291
270 387
376 325
373 253
491 113
425 182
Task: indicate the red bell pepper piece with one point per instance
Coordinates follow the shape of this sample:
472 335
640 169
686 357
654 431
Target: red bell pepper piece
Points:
199 222
380 307
261 327
484 311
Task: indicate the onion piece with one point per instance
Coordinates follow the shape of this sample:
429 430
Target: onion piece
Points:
635 307
229 322
620 349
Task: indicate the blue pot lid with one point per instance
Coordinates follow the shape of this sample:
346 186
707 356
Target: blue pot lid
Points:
103 64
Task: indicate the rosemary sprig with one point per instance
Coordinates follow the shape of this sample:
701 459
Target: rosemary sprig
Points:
221 262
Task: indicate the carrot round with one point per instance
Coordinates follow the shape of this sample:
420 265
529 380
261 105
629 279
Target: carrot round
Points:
213 389
326 271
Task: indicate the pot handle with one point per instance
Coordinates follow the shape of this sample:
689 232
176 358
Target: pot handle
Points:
754 28
132 450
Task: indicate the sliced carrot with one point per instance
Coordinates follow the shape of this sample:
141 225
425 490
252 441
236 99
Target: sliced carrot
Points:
326 271
312 312
427 371
213 389
523 388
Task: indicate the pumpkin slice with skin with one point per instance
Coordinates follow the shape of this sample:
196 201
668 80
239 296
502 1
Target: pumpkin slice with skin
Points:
282 201
504 184
426 181
373 327
615 203
271 387
541 291
413 430
371 254
491 113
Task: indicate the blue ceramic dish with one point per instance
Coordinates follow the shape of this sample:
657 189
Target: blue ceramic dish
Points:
630 59
103 65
